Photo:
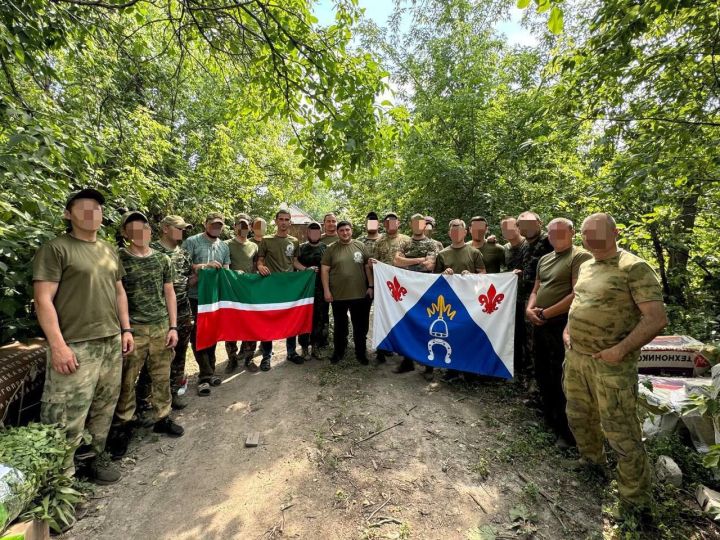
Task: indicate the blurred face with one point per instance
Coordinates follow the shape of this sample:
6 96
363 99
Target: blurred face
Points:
259 228
372 226
457 233
391 225
510 229
560 235
418 226
242 229
598 235
283 223
173 233
529 225
313 235
85 214
428 230
478 230
345 233
214 229
330 224
138 233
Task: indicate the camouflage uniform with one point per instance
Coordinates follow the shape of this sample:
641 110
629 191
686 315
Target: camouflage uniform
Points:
85 400
514 256
144 283
369 244
182 270
415 249
601 397
531 254
386 247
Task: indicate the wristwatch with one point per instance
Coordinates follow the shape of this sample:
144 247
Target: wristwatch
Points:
173 328
127 330
541 315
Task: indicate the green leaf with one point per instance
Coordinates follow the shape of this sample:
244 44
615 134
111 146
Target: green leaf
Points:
522 4
555 23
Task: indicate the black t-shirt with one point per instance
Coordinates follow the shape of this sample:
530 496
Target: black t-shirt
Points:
311 255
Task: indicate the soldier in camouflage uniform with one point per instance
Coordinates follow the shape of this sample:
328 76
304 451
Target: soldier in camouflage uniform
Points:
530 226
171 236
153 312
82 307
385 250
417 255
430 231
371 235
618 308
310 257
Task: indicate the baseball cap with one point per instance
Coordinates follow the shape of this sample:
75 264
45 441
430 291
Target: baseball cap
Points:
389 215
87 193
313 225
175 221
132 215
215 217
372 215
242 217
416 216
430 220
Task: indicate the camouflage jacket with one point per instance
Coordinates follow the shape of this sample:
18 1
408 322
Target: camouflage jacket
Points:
417 249
182 270
532 255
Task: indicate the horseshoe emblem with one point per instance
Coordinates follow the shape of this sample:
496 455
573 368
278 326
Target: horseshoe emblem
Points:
443 343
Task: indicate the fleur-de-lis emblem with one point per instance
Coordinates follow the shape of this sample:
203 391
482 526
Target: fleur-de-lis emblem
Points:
491 300
397 290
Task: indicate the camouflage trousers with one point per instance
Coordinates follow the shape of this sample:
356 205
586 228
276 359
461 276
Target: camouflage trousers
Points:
247 349
602 403
149 349
83 402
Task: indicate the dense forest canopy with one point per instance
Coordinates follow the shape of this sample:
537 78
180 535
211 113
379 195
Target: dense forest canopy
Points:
186 106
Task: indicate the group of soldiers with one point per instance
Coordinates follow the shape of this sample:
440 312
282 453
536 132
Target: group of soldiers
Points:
119 322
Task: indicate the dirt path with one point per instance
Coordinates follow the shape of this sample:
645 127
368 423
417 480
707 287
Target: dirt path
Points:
460 462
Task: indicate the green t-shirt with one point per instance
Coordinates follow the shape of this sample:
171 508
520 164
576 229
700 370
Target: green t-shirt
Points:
414 249
556 273
182 270
328 240
242 255
607 293
493 256
347 269
460 259
143 281
87 274
278 252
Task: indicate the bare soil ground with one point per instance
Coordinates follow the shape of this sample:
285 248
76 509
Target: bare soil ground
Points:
455 461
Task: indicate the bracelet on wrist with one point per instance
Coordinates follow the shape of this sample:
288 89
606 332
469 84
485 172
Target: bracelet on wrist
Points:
127 331
173 328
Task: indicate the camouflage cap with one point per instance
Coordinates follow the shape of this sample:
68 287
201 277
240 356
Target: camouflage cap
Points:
175 221
215 217
242 217
390 215
430 220
132 215
416 216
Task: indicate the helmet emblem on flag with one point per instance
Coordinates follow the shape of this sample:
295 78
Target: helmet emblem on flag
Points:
491 300
397 290
439 327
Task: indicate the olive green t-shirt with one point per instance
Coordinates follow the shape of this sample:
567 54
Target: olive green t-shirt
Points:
278 252
460 259
493 256
556 272
347 269
144 282
242 256
607 293
328 240
87 274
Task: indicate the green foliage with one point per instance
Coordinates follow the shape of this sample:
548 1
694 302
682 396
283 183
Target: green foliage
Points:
39 451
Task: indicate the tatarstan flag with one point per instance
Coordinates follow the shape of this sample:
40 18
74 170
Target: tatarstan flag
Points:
250 307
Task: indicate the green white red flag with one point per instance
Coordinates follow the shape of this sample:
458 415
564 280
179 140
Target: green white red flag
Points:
250 307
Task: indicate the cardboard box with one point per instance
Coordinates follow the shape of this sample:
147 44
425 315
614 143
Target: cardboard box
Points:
28 530
673 355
